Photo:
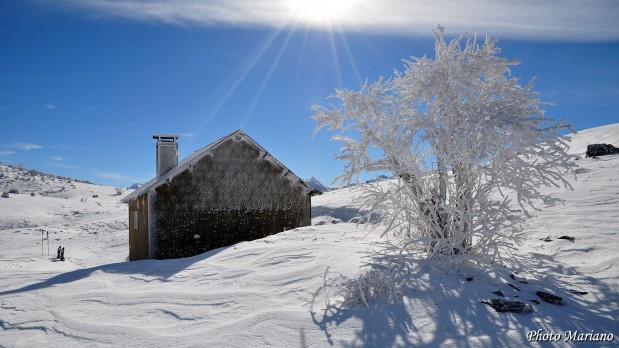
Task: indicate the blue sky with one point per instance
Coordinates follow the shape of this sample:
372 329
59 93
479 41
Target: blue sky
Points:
84 84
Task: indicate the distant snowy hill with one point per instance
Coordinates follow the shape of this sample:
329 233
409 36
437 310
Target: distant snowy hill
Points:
33 181
317 185
276 292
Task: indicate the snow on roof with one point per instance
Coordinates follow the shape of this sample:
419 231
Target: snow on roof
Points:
196 155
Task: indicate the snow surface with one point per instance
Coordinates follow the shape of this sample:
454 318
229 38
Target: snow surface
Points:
266 292
600 135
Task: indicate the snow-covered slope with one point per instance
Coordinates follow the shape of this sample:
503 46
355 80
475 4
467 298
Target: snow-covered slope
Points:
600 135
343 204
269 292
85 218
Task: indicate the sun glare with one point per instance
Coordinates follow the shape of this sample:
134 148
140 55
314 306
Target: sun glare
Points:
320 11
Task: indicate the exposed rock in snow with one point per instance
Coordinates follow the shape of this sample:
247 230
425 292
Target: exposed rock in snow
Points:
594 150
509 306
325 220
550 298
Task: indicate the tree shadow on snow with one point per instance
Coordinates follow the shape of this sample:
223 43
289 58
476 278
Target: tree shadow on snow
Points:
440 308
384 324
145 270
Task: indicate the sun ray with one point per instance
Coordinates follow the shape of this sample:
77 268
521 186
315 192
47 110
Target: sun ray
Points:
336 61
256 56
267 78
351 58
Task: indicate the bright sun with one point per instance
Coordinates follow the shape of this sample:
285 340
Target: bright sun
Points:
320 10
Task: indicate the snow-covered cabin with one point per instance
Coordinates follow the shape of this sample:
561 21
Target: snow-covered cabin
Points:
230 191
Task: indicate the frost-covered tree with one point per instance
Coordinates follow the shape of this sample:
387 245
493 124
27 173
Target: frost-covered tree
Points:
469 147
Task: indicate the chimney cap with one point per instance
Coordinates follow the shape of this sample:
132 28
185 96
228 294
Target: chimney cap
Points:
166 137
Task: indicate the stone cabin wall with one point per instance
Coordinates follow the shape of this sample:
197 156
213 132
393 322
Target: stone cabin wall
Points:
229 196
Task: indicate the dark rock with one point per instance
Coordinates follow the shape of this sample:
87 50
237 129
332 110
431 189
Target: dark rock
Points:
519 281
547 239
576 292
498 293
535 301
594 150
550 298
513 286
470 279
509 306
571 239
355 220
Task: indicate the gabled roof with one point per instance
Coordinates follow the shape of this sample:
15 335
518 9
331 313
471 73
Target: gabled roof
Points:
198 154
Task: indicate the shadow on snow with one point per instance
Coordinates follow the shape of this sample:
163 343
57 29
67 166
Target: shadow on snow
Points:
438 308
154 269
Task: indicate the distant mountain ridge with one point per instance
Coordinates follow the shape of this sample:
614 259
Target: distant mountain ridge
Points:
317 185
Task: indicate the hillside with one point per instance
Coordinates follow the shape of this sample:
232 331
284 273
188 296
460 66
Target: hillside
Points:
73 212
33 181
598 135
271 292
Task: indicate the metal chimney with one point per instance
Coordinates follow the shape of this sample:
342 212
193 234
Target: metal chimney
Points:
167 152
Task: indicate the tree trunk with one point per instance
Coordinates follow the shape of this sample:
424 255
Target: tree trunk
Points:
464 197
